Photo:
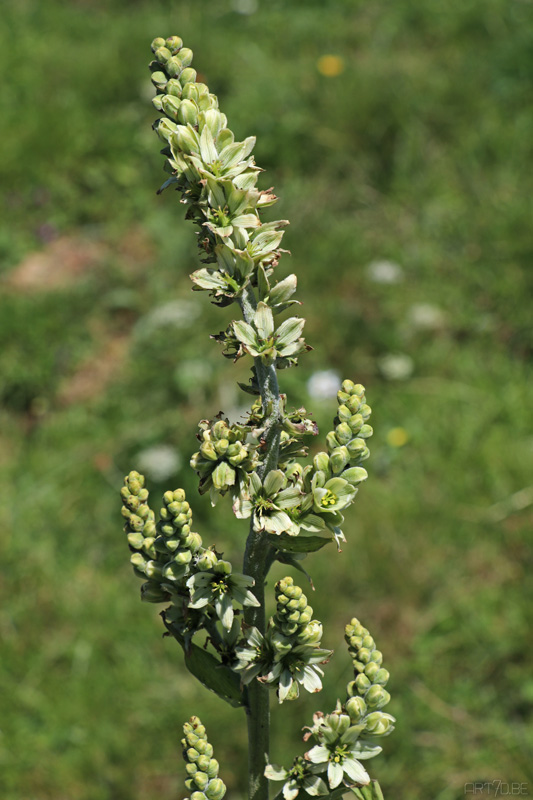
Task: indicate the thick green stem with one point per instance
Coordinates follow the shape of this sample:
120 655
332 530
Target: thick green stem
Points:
256 562
257 694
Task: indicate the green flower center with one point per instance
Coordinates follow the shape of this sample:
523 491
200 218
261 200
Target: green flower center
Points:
329 499
264 504
339 754
219 587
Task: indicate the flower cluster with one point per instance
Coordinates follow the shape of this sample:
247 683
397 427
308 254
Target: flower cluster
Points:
217 178
200 766
287 656
299 501
224 457
348 735
199 584
366 693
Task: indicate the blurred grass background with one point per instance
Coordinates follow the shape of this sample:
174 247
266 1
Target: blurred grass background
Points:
409 146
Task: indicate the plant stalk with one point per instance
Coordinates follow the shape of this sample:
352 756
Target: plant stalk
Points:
256 563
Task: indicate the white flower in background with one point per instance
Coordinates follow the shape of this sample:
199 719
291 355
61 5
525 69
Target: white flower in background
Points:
324 384
159 462
426 317
176 313
387 272
245 6
396 366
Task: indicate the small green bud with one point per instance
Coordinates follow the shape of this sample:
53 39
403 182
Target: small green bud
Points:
366 432
191 769
185 56
376 697
356 708
157 43
174 87
193 754
136 539
206 561
321 462
173 67
165 129
188 112
362 683
339 458
343 433
223 567
216 789
188 76
170 105
379 724
200 780
174 43
162 54
159 79
382 677
332 441
198 796
348 386
213 768
356 423
222 446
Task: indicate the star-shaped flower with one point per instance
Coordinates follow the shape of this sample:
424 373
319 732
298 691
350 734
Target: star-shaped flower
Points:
340 751
219 587
296 778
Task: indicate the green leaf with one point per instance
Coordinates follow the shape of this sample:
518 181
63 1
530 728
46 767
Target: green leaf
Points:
265 242
213 675
299 544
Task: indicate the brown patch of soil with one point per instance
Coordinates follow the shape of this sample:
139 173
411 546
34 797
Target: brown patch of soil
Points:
59 265
94 375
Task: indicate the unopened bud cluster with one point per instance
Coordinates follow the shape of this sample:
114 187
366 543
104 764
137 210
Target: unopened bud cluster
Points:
366 693
288 655
170 555
202 769
224 457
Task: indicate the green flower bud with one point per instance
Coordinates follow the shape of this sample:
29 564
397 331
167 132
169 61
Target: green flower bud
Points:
356 708
339 458
191 769
185 56
198 796
170 106
200 780
366 432
157 43
332 441
173 67
356 423
188 112
213 768
159 79
188 76
321 462
348 387
206 561
165 128
215 790
377 697
174 87
162 55
362 683
174 43
379 724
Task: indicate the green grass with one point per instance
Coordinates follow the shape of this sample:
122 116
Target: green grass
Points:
419 153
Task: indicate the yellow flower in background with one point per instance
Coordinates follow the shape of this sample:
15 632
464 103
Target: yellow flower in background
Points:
330 66
397 437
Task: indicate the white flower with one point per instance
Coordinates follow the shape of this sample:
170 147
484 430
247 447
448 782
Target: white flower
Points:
159 462
386 272
324 384
396 366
